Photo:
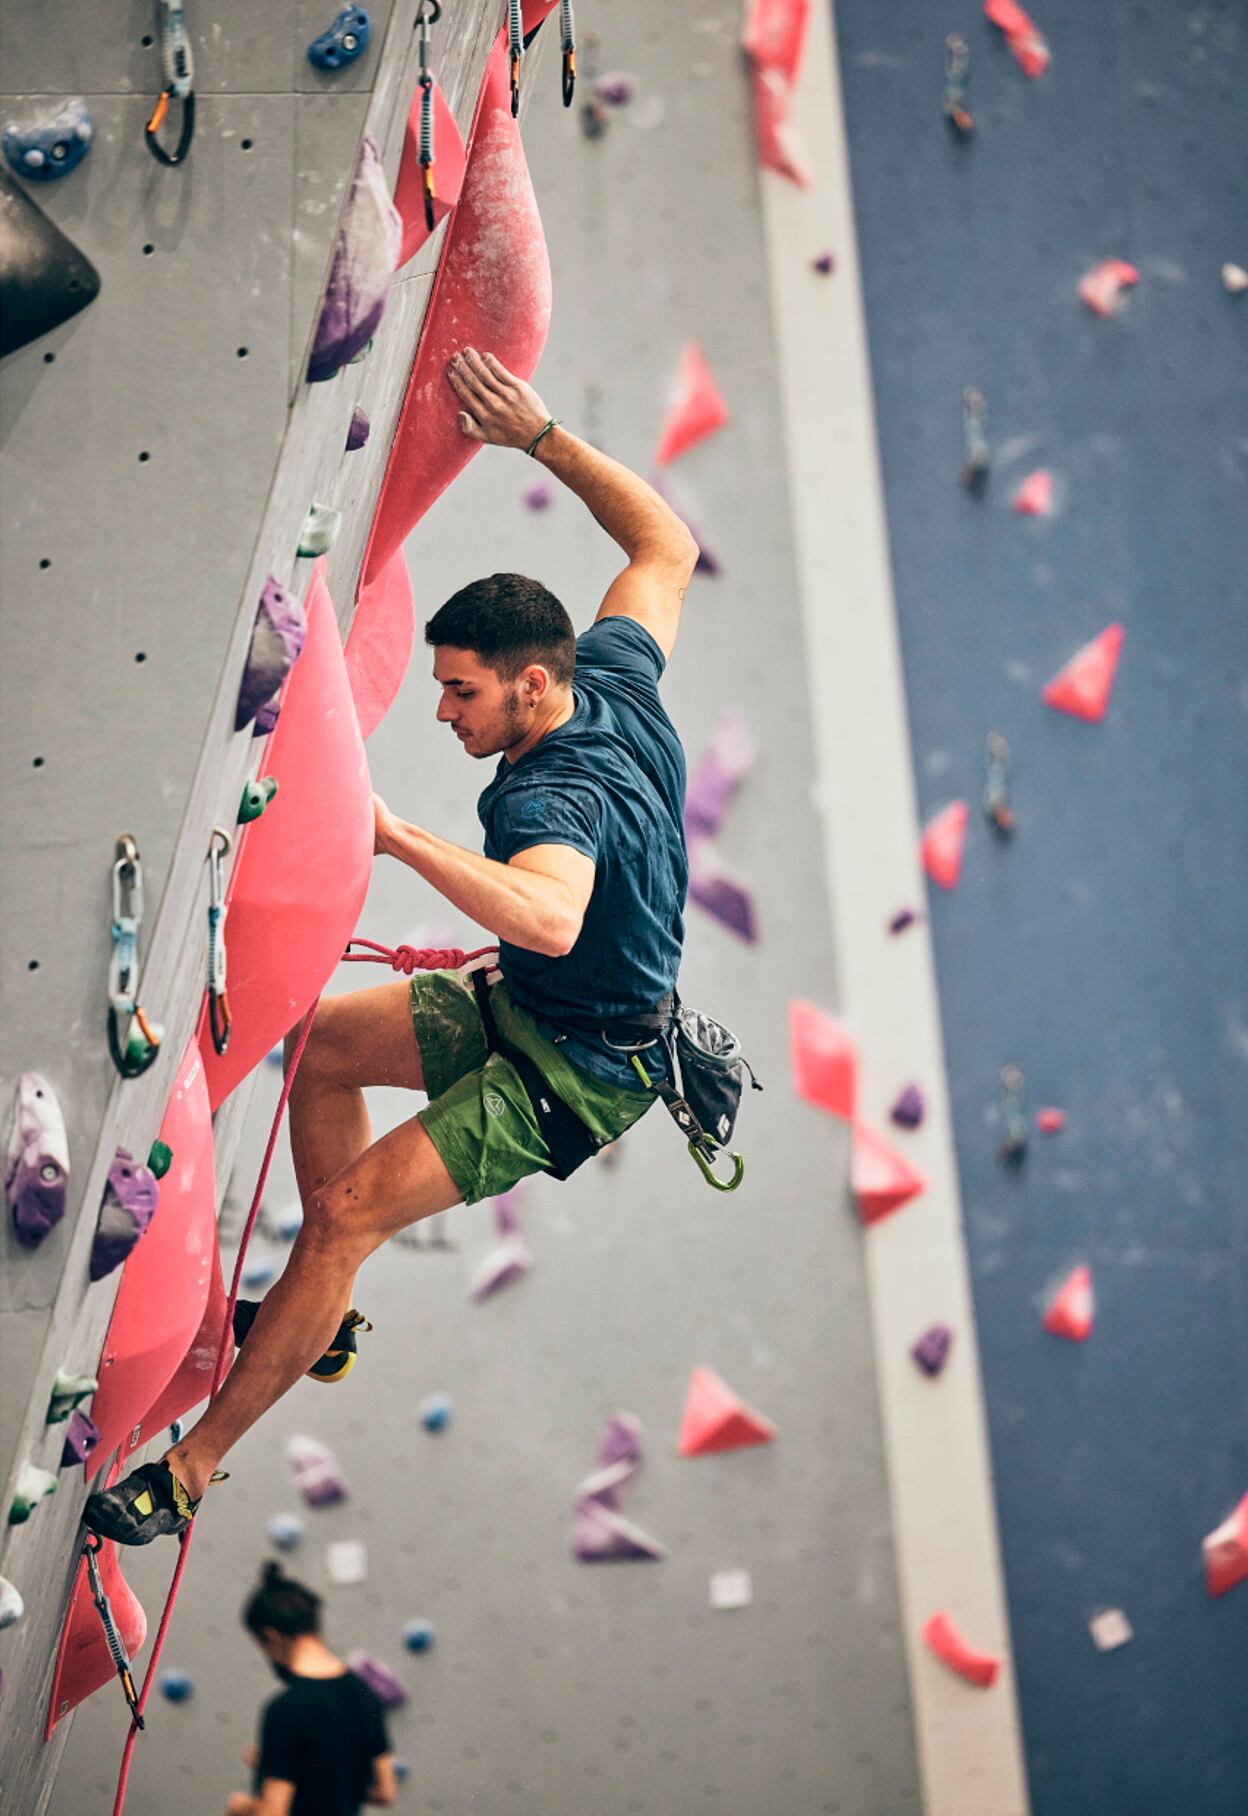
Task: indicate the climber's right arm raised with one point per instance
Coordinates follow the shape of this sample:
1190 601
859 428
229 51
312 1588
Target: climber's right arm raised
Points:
505 412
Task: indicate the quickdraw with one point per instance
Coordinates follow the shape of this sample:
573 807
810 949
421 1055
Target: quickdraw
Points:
112 1638
179 68
1013 1150
429 14
975 440
702 1146
957 61
567 28
142 1038
219 1017
997 805
515 51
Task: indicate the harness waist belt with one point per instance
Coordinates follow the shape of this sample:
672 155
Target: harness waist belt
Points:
568 1139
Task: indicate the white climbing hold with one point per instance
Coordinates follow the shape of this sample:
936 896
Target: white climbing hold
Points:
1234 279
731 1589
320 527
346 1561
33 1484
1110 1629
12 1607
67 1391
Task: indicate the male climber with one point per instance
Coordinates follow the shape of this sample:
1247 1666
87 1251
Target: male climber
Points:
583 883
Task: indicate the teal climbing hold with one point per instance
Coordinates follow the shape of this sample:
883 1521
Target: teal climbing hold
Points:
159 1159
256 796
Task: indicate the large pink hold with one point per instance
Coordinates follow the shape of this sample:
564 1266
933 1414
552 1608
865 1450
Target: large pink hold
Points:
774 40
698 411
164 1290
1070 1311
941 1637
492 292
943 842
1034 498
1225 1552
380 642
83 1661
880 1179
1027 47
302 870
1102 287
825 1061
1083 687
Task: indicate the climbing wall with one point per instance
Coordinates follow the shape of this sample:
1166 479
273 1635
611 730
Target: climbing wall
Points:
555 1686
1102 949
160 452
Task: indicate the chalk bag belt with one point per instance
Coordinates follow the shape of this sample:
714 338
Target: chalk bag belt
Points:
570 1142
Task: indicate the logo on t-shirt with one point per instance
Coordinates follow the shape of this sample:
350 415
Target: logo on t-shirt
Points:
531 808
495 1104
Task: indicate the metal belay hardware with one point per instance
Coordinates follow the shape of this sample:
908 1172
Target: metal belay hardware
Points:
179 68
116 1645
709 1067
429 14
218 1002
143 1037
567 33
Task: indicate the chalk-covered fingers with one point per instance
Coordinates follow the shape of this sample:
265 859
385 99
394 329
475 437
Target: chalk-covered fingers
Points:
500 408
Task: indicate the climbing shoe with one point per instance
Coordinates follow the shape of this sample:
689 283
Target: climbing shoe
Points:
149 1504
339 1358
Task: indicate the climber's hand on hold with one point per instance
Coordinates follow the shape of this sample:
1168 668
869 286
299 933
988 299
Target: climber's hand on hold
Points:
383 823
499 408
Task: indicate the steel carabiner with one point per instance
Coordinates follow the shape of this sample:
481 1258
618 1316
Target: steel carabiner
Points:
179 68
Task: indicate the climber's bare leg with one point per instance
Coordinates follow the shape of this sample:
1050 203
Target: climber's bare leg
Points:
393 1183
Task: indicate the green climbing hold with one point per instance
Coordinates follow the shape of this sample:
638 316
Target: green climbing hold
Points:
159 1159
320 527
67 1391
32 1485
256 795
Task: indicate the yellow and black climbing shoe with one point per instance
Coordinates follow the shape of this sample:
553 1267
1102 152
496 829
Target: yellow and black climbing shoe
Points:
337 1361
149 1504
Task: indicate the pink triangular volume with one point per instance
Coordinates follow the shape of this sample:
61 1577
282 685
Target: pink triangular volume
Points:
1083 687
1070 1310
825 1061
715 1419
881 1180
774 39
1226 1552
943 842
698 411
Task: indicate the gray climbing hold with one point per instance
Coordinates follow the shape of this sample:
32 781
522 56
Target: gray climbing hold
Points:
359 431
127 1207
370 239
50 148
67 1392
277 640
12 1607
33 1484
320 527
346 39
36 1170
82 1434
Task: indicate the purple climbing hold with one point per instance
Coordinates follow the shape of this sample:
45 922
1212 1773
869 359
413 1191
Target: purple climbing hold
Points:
539 497
281 628
717 776
713 888
931 1352
600 1535
621 1441
266 719
359 431
370 240
908 1110
37 1166
825 264
82 1435
904 917
127 1207
380 1679
616 89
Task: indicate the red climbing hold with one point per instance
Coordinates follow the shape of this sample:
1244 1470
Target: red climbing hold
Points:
1034 498
774 39
942 1637
715 1419
698 411
165 1285
492 292
380 642
1070 1310
449 163
302 871
1102 287
1050 1120
825 1061
1083 687
1225 1552
84 1663
1028 48
879 1178
942 844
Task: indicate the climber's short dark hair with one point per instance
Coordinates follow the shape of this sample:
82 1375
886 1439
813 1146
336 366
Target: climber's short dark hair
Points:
508 621
281 1605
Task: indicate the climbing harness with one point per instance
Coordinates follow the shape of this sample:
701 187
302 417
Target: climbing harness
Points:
143 1038
570 1142
179 68
567 29
707 1059
957 60
116 1645
997 786
429 14
515 51
219 1017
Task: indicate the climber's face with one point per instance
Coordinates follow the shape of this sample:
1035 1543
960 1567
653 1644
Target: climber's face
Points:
487 714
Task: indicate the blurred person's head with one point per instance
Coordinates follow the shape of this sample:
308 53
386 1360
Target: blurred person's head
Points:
280 1613
504 651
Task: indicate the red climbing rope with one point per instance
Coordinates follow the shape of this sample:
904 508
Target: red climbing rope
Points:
401 958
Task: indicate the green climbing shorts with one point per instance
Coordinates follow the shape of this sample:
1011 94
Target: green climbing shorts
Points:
478 1116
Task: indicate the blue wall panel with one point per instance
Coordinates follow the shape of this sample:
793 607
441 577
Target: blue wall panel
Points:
1104 950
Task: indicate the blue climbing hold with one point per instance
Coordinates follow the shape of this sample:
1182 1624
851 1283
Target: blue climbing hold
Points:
346 39
259 1272
436 1412
418 1636
285 1530
176 1686
51 148
401 1769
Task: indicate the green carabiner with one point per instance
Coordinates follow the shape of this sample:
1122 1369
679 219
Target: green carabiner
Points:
706 1162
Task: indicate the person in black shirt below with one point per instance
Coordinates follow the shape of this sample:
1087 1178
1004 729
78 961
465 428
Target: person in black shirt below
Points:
323 1747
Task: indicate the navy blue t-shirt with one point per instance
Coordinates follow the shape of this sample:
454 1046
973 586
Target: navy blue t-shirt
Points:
611 783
